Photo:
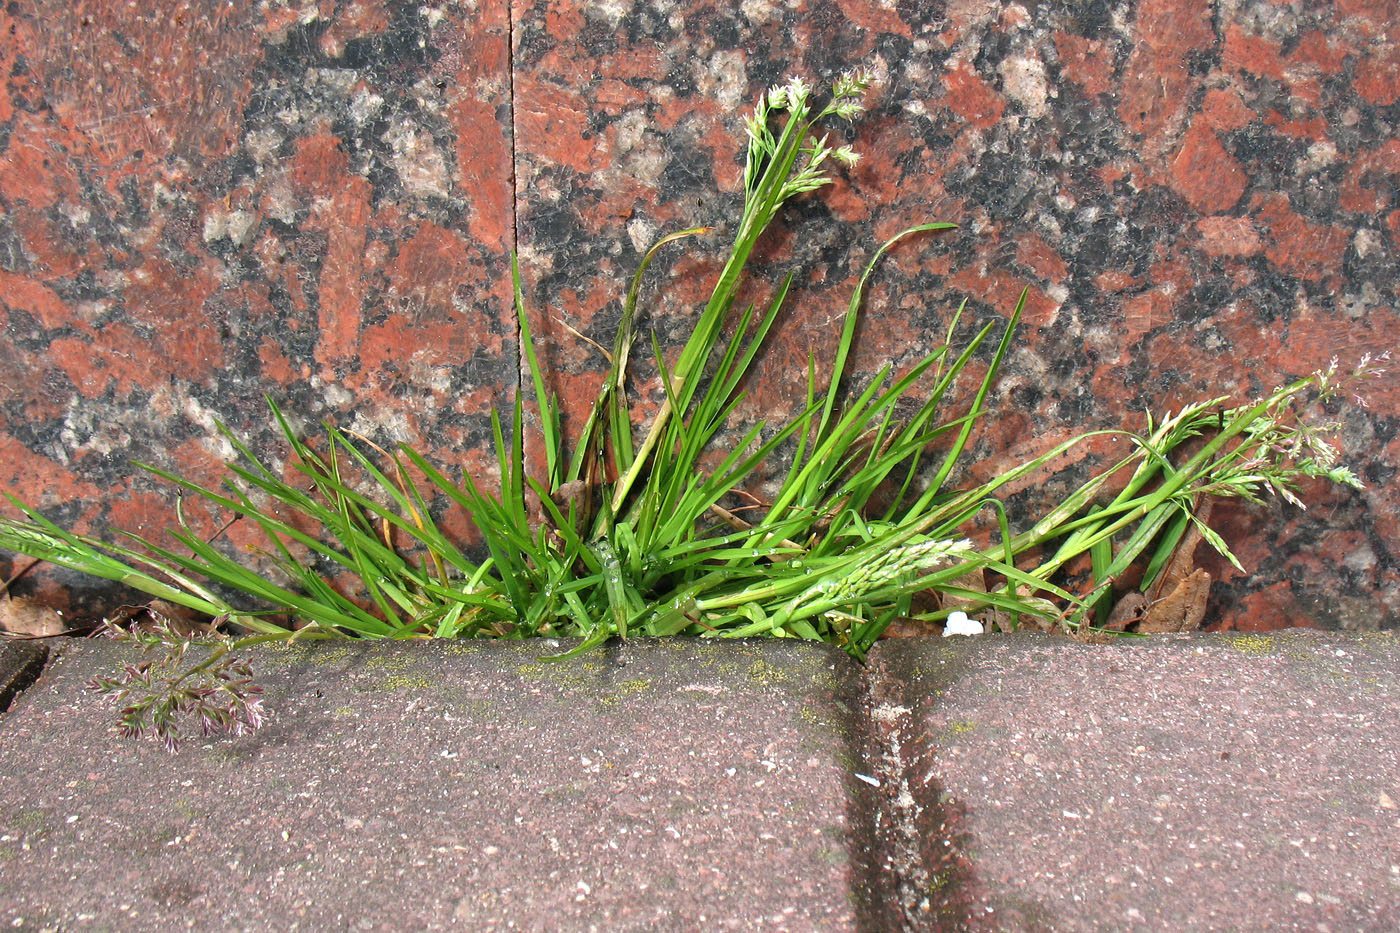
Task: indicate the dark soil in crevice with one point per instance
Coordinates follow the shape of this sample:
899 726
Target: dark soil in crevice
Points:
927 878
21 663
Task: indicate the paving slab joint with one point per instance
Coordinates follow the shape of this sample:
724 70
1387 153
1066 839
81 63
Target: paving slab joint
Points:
21 663
913 835
879 867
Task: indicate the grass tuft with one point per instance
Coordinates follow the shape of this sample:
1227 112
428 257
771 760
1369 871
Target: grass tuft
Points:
625 536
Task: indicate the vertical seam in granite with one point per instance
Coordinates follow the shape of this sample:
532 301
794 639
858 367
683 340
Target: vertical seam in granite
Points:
514 196
900 881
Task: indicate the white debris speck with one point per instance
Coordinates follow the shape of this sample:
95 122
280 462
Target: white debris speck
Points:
888 712
641 233
959 624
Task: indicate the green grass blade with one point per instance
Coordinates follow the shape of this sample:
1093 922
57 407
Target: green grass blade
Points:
549 414
848 329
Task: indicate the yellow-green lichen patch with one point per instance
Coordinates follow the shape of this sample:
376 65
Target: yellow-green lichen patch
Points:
570 674
223 752
476 707
764 674
707 659
1253 645
940 880
626 688
1300 653
186 808
343 711
29 819
406 682
961 727
333 655
283 654
828 725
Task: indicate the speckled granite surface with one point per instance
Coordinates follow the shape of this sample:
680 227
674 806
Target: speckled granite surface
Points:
315 201
204 202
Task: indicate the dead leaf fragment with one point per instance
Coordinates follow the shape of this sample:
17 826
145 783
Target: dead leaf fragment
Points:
1176 601
1091 636
1181 610
1127 610
19 616
910 628
976 581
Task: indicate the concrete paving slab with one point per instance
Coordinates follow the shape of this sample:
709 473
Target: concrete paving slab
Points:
452 786
1184 783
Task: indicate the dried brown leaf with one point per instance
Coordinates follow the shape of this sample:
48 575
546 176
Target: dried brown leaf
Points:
156 614
1127 610
1181 610
1182 563
19 616
911 628
1176 600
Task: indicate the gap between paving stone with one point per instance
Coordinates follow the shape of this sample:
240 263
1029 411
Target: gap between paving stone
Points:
21 661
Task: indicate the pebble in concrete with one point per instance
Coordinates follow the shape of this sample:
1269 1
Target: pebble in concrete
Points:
449 785
1189 783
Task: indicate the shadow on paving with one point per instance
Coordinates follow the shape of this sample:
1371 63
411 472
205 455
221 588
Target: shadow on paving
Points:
21 661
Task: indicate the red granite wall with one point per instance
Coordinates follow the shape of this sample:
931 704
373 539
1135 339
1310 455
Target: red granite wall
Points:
314 200
207 201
